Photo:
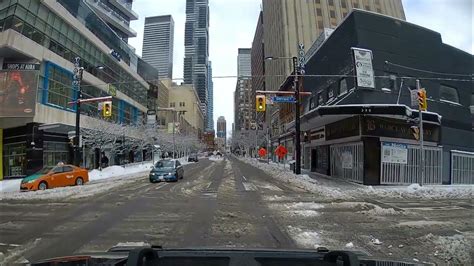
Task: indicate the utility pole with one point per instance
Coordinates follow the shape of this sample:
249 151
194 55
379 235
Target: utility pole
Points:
77 85
174 141
256 135
422 161
297 118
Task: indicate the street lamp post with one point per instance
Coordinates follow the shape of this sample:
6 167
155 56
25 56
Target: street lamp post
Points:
77 84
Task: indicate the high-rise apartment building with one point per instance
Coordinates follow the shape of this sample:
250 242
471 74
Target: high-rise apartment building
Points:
288 23
221 133
221 127
158 40
210 98
243 91
244 62
196 48
258 67
117 14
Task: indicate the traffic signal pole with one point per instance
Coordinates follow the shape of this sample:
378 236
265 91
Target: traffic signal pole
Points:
297 118
422 161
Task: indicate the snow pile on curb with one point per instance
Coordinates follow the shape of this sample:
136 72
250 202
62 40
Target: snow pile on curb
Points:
306 239
116 171
335 190
114 176
10 185
455 249
216 158
300 181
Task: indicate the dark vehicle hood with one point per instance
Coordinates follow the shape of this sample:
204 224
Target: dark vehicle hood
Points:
220 256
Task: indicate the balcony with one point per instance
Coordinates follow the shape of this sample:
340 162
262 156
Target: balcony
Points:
112 17
125 8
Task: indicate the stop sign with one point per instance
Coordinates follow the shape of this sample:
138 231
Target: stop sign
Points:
262 152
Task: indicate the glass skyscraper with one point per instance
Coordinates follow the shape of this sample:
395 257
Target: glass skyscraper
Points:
196 48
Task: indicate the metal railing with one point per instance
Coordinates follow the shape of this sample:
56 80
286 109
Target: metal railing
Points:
347 161
409 173
462 167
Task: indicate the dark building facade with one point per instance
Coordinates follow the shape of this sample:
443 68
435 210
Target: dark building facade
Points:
365 134
258 65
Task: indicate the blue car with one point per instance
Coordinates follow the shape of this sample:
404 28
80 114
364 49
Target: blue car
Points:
166 170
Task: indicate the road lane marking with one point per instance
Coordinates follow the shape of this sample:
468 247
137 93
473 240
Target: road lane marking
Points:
249 186
244 178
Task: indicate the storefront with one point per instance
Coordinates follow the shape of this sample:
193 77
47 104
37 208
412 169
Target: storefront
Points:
371 149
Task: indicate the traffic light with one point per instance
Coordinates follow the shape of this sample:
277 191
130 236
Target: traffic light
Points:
260 103
422 100
107 109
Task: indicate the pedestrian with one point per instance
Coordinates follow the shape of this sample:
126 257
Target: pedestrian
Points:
104 161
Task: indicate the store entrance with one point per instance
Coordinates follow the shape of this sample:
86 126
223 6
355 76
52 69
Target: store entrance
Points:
14 159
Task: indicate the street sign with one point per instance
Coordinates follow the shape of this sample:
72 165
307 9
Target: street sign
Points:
262 152
363 66
283 99
301 58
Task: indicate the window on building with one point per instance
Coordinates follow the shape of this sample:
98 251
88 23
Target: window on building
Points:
331 2
332 13
318 12
472 103
172 104
343 4
343 86
181 104
448 93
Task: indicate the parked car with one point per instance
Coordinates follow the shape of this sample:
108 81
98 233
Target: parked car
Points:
51 177
166 170
193 158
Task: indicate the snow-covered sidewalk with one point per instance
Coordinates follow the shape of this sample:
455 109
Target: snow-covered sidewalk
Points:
336 189
114 176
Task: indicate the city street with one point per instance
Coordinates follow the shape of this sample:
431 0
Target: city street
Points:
229 203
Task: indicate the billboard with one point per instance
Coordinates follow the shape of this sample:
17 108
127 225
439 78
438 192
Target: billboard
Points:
18 93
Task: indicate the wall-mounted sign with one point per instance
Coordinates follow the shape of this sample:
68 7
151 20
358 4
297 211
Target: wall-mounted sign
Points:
21 66
394 153
347 160
363 67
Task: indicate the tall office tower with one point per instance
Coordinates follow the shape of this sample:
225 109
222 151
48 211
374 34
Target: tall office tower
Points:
196 48
303 22
158 39
117 14
210 98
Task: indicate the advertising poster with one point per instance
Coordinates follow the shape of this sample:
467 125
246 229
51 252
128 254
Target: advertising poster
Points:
394 153
347 160
18 93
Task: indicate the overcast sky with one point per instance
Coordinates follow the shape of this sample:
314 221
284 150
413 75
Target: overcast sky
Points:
232 26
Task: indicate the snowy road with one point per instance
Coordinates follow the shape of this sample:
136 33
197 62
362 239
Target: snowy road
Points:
229 203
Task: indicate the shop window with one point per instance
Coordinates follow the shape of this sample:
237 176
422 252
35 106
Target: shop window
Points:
472 103
343 86
448 93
